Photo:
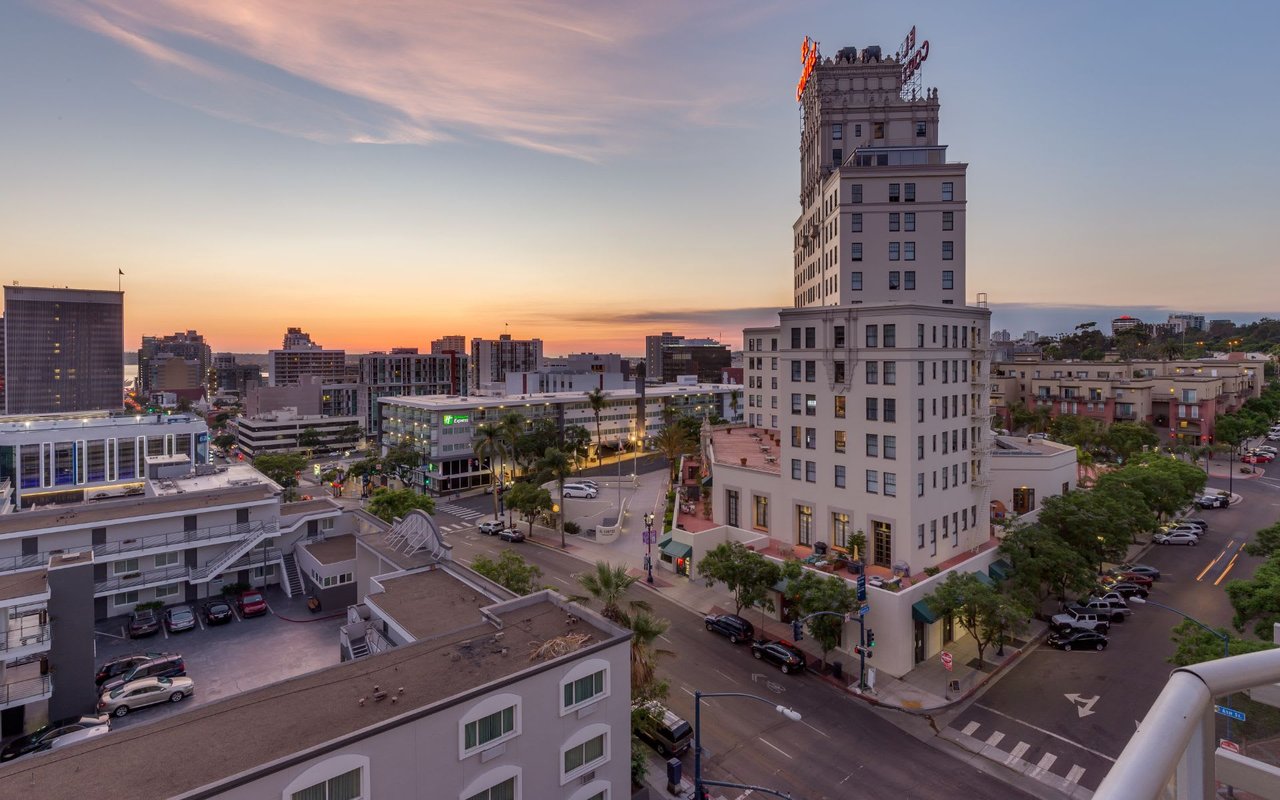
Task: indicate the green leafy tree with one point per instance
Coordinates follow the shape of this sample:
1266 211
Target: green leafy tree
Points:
490 447
363 467
530 500
509 570
607 586
972 603
1165 484
577 443
1096 526
556 463
1006 618
513 425
735 398
596 401
223 440
351 433
1196 645
1126 438
283 468
1257 600
1266 542
388 504
401 459
1044 565
744 572
1075 430
672 442
1020 417
1231 430
828 594
309 439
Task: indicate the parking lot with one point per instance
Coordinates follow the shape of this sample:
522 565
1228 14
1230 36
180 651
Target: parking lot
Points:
234 657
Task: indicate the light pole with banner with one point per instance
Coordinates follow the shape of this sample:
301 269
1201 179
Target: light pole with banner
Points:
648 536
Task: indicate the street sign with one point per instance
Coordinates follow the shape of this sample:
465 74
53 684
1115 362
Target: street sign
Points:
863 609
1227 744
1229 712
862 588
946 660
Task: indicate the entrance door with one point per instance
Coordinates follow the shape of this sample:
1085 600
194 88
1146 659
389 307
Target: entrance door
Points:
919 640
948 629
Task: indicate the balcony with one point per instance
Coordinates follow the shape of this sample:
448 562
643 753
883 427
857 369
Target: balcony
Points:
227 561
24 690
24 635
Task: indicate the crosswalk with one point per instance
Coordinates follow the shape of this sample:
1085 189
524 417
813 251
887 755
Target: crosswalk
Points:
461 512
1050 760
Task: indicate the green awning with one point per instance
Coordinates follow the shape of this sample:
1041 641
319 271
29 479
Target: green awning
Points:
676 549
921 612
1000 570
706 481
984 578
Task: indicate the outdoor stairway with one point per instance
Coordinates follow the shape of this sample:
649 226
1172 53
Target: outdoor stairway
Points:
293 580
359 648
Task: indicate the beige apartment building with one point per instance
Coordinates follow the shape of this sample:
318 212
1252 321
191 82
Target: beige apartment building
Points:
1181 399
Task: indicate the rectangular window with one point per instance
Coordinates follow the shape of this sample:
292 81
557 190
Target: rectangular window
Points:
873 445
890 484
810 438
908 251
124 599
795 371
586 753
948 190
838 336
909 192
873 408
895 223
873 482
810 338
840 441
810 371
855 193
172 590
920 536
855 252
167 559
731 507
890 410
909 277
890 335
922 130
872 376
837 131
480 732
804 525
890 373
796 403
891 447
837 372
795 338
499 791
948 279
855 223
855 278
895 279
795 469
948 220
347 786
124 567
920 410
857 131
877 128
796 435
811 471
919 484
811 405
760 517
839 476
920 448
840 528
583 689
895 251
948 251
839 406
909 221
873 336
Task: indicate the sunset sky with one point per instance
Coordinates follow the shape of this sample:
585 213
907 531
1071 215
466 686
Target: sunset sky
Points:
381 173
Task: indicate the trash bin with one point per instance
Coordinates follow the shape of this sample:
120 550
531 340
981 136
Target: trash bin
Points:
837 670
674 772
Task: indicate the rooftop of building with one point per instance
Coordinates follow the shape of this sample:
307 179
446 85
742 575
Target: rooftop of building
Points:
744 446
449 402
236 735
334 550
1028 446
90 420
23 584
208 478
427 602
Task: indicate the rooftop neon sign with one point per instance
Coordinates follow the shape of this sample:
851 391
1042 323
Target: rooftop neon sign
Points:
808 60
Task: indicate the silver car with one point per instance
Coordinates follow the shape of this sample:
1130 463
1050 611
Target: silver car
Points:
145 692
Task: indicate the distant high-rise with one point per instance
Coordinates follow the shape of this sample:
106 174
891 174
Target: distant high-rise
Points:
453 343
492 359
1181 323
63 350
1124 323
653 353
179 361
303 357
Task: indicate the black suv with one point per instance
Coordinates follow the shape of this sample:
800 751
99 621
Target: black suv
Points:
143 623
735 628
120 665
784 654
154 665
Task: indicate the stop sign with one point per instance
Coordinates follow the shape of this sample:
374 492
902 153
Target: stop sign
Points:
946 660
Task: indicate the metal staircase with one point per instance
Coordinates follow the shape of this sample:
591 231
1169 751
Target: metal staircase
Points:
416 532
293 579
359 648
215 566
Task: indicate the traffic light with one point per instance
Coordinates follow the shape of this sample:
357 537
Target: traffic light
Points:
871 638
797 631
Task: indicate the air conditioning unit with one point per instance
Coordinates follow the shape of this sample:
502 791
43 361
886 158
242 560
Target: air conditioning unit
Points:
588 778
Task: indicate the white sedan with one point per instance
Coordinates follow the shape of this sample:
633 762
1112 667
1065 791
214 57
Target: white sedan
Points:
1178 537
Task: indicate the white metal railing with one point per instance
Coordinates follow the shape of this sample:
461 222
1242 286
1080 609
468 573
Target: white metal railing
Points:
1175 746
226 531
23 632
24 691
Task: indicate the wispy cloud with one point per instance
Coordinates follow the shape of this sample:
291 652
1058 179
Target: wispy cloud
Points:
575 78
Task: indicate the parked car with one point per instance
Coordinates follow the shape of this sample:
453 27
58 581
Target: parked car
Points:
785 655
733 627
1132 577
145 692
217 612
1103 608
143 623
1181 528
122 664
1079 619
662 729
1127 589
73 738
1078 640
252 603
1194 522
1257 458
1140 569
491 527
510 535
1266 448
1213 500
1181 537
1274 436
47 734
580 490
158 665
1110 597
179 618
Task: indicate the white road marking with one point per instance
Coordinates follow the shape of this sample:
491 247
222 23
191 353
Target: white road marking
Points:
726 677
815 730
1045 732
557 580
665 639
1083 707
1046 761
1018 751
1075 774
970 728
775 747
686 691
995 738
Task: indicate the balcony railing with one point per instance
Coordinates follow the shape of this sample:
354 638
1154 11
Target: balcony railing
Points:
218 565
234 530
23 632
25 691
1175 745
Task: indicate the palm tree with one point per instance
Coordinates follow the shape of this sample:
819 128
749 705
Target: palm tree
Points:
488 444
596 399
672 443
734 397
559 465
645 630
1169 349
606 586
512 425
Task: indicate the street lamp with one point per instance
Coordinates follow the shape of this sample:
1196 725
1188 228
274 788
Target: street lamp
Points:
698 782
1226 640
648 540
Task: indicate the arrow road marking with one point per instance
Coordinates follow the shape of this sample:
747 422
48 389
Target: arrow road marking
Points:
1083 707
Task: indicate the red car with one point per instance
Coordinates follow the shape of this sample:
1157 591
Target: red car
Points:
1139 578
251 604
1257 458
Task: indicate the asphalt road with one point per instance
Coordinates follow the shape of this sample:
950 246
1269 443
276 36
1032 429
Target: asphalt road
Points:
841 749
1074 712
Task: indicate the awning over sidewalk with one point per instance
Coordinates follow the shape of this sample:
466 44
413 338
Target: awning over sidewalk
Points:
921 612
675 549
706 481
1000 570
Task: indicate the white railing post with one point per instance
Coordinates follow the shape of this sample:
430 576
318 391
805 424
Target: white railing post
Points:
1194 777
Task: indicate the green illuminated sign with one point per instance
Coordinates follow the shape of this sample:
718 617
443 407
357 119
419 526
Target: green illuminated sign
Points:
456 419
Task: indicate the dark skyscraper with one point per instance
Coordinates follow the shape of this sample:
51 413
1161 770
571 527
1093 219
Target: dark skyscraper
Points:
63 350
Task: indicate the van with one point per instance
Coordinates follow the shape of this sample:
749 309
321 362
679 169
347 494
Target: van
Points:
663 730
579 490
